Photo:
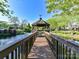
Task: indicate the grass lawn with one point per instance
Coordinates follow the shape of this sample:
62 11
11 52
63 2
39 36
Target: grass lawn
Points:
68 34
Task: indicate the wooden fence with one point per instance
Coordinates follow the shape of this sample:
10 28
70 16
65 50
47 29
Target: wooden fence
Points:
63 48
19 48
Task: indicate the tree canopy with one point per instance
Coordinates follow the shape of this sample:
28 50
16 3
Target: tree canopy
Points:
3 24
69 7
62 21
4 8
15 21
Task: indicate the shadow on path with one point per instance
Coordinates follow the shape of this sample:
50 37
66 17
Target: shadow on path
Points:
41 50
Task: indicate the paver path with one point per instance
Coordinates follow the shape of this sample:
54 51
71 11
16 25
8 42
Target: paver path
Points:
41 50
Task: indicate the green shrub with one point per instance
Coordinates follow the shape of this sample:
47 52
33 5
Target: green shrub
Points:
19 31
27 30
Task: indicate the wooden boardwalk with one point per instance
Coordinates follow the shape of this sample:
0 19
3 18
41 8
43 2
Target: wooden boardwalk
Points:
41 50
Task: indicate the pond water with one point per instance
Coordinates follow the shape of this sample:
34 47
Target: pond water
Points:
13 39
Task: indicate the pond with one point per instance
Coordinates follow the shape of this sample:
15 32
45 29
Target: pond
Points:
12 40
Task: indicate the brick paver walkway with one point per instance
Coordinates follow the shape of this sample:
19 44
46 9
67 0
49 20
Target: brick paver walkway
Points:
41 50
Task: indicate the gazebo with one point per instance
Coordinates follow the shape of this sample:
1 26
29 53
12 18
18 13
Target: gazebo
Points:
41 26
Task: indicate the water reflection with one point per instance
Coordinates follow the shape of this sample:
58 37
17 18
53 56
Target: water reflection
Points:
13 39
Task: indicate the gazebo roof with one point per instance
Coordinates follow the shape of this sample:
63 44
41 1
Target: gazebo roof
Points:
40 22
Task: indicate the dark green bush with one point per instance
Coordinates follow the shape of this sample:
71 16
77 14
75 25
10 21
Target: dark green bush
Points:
2 35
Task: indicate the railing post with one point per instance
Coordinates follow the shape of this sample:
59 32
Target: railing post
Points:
22 50
19 52
74 55
12 55
61 50
69 53
57 50
16 53
63 55
7 57
26 49
66 52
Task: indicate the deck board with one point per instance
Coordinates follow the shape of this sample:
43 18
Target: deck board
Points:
41 50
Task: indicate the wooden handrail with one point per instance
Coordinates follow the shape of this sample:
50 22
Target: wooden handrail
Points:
18 47
63 48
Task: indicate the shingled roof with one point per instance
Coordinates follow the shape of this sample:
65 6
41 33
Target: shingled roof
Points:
40 22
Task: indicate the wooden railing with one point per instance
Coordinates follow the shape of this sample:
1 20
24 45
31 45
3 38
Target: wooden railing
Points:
63 48
19 48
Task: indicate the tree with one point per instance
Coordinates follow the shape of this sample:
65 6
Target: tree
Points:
59 22
53 23
28 28
69 7
23 23
3 24
15 21
4 8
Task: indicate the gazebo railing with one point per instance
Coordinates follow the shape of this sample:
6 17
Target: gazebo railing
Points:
18 48
63 49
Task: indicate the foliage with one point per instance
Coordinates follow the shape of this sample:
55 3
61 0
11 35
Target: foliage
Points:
19 31
5 33
62 21
69 7
68 34
53 23
15 21
3 24
3 36
23 24
28 28
4 8
59 21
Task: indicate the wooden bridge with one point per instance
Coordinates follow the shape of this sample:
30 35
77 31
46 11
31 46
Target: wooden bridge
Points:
32 47
41 50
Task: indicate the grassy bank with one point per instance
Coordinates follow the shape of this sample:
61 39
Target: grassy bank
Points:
73 35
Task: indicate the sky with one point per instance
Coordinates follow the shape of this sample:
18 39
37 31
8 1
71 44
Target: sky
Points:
29 9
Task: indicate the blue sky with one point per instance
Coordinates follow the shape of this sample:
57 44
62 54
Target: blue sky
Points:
29 9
